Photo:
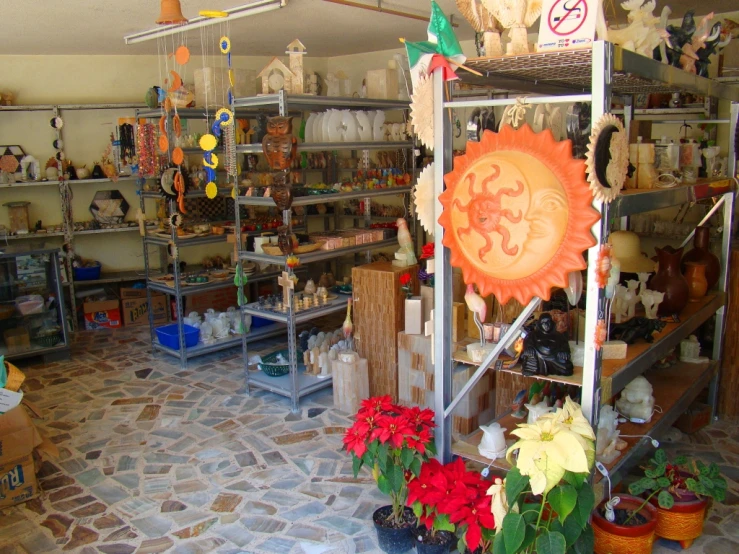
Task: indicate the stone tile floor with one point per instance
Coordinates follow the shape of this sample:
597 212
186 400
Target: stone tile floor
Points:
155 459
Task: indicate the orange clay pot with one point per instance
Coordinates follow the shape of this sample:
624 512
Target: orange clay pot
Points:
684 521
611 538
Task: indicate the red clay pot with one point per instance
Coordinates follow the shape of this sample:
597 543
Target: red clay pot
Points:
611 538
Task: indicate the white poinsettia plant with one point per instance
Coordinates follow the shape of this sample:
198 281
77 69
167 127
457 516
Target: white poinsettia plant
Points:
544 504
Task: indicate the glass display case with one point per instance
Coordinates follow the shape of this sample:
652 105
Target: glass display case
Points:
32 318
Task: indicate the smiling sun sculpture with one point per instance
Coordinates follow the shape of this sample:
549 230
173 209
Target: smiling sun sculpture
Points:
517 214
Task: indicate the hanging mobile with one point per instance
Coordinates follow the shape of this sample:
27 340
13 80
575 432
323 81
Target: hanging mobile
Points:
172 251
175 220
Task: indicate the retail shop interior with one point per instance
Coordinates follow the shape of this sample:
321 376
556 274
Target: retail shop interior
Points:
325 276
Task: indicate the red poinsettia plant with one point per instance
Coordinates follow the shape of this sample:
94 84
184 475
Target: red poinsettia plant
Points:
451 498
393 441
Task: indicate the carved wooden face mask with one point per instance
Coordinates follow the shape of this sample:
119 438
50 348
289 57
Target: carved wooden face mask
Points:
517 214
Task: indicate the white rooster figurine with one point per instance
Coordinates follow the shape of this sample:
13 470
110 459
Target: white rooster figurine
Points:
479 309
515 15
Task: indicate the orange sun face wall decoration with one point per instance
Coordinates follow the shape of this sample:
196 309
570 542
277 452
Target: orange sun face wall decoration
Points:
517 214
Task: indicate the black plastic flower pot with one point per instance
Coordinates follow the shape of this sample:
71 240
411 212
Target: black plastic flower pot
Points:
393 539
440 544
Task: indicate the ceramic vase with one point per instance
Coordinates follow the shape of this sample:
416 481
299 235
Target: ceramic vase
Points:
695 274
670 281
701 253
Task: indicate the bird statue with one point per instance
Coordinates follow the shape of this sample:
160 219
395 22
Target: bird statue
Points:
279 145
348 327
484 23
477 306
516 16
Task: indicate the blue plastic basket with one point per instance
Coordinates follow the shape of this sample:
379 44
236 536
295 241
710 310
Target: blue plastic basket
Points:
260 322
168 337
87 273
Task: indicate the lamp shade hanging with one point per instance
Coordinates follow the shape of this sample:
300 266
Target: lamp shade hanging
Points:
171 13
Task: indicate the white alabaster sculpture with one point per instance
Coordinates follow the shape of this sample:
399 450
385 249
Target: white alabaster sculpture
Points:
632 297
651 300
608 443
536 411
636 400
493 444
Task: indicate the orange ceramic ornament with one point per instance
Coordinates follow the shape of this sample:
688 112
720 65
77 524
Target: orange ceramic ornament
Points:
163 143
178 156
517 214
182 55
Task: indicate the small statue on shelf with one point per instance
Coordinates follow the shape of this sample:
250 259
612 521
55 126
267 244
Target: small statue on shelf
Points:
636 328
405 256
545 351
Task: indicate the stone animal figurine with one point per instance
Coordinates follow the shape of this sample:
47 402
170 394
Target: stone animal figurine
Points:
545 351
651 300
636 328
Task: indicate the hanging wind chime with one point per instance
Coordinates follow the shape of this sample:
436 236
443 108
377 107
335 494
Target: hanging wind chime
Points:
223 123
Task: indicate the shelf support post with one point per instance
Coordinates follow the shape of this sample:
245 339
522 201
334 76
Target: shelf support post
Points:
602 72
718 336
443 278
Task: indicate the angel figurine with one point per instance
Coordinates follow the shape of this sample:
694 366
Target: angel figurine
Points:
516 16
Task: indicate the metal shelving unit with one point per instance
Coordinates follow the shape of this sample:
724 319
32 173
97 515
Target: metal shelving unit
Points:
592 75
64 185
179 291
296 384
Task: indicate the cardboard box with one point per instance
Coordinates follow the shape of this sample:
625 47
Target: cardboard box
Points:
17 340
18 438
104 314
136 310
220 300
696 418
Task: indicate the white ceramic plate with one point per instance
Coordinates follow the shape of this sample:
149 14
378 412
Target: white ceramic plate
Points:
377 131
309 128
334 126
364 126
351 128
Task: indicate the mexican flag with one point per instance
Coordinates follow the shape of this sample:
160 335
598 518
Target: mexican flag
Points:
441 42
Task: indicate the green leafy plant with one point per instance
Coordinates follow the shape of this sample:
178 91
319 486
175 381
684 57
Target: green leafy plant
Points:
669 480
553 523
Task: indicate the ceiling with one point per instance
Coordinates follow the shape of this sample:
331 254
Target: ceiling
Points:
98 27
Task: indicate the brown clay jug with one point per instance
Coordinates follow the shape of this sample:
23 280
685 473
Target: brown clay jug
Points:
670 281
701 253
695 275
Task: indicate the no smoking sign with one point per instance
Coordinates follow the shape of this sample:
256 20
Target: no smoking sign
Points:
566 24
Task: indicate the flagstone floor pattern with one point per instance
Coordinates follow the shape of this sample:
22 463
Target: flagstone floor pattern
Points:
155 459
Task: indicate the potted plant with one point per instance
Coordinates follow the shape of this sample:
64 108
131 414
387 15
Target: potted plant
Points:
449 498
679 492
632 528
545 502
393 441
